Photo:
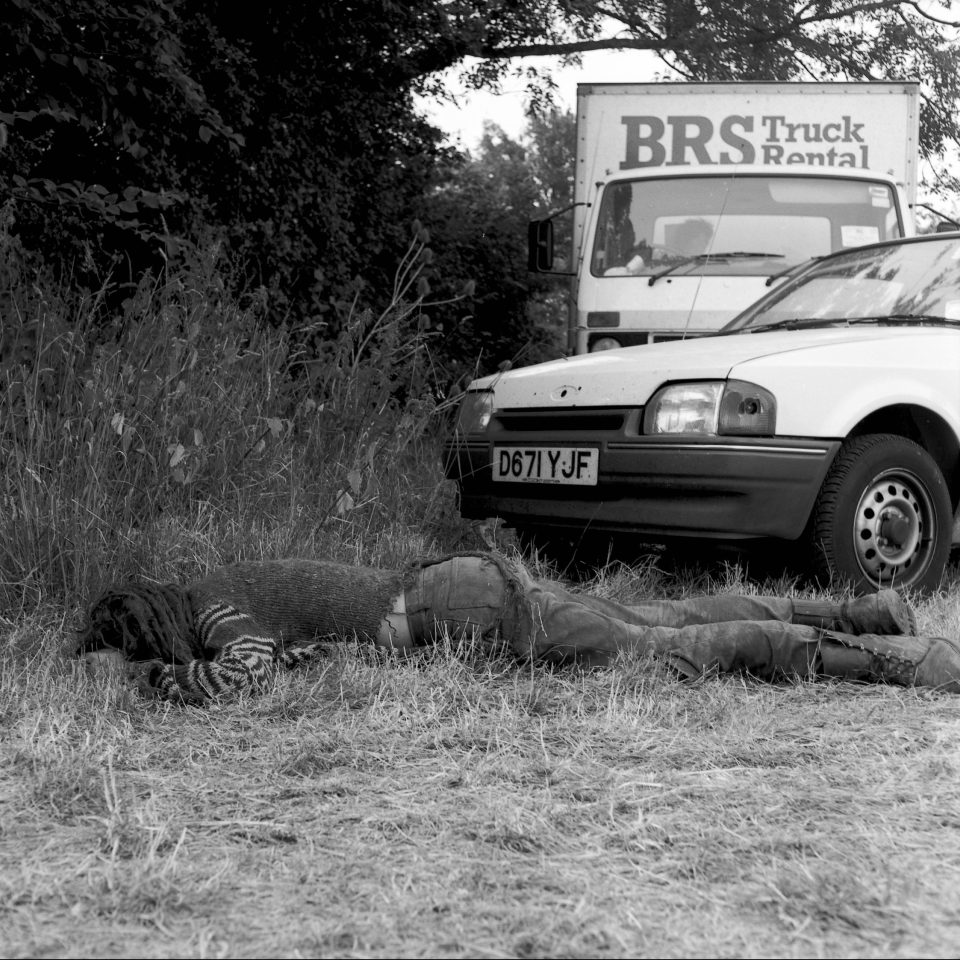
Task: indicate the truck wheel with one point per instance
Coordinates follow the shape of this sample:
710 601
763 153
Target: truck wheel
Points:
882 517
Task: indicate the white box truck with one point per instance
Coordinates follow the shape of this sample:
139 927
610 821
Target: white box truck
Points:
692 198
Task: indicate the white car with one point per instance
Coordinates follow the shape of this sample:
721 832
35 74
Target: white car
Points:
826 415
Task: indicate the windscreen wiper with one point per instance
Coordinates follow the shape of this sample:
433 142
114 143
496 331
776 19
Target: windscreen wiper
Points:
906 320
880 319
794 323
793 268
706 257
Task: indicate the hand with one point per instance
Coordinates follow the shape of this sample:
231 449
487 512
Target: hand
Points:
105 662
146 675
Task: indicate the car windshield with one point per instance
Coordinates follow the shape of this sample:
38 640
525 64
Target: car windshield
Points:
911 282
735 224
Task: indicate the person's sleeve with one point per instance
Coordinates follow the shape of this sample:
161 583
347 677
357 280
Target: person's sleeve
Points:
241 657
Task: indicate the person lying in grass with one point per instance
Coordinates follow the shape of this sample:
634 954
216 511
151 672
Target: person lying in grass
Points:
228 632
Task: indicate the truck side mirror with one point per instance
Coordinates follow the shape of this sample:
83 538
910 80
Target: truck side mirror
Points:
540 246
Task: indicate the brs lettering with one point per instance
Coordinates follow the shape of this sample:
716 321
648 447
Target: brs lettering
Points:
688 141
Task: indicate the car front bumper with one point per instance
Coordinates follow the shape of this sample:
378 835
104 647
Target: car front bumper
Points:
719 488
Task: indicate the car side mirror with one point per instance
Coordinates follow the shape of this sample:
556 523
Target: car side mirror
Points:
947 226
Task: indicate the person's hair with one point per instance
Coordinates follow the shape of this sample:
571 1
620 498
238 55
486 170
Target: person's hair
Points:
143 621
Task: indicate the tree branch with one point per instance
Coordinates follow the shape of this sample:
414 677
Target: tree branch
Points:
495 52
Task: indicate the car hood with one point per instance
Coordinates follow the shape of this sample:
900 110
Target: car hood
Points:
632 374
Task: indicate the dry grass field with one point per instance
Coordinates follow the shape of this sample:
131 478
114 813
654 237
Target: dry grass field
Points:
452 808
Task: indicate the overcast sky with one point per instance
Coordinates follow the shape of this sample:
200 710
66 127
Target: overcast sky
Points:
465 120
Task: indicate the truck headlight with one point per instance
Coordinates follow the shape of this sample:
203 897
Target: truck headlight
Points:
713 407
475 411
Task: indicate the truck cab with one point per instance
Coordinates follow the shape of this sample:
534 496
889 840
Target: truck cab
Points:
676 252
691 199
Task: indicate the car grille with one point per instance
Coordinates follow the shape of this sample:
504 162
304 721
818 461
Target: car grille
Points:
558 421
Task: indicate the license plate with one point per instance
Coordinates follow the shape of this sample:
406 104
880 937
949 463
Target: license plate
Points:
570 465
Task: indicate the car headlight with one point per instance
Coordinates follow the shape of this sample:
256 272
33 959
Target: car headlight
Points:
475 411
713 407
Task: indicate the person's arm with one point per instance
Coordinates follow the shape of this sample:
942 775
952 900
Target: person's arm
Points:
241 656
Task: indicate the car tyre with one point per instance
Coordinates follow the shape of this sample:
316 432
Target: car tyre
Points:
882 517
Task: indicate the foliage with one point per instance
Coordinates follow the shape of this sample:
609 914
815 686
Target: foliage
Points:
185 404
478 220
271 130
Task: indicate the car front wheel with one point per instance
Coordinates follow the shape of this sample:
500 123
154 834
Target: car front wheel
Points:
882 517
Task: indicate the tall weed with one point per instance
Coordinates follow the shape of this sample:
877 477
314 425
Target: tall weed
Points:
186 428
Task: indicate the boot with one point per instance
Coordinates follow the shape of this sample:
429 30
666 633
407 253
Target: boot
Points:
767 649
884 612
906 661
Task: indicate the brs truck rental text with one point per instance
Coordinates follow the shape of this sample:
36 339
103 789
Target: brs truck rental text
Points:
690 198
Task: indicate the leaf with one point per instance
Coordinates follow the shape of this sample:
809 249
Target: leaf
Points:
116 423
205 133
354 478
177 453
372 489
275 426
344 503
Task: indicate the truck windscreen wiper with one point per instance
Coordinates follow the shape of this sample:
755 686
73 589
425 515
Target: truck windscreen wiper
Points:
706 257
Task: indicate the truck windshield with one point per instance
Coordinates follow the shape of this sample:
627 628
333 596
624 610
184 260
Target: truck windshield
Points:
645 226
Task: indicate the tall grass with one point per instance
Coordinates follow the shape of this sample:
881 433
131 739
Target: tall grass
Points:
180 428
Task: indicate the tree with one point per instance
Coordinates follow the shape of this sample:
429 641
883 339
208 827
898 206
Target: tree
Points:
717 40
478 221
272 133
